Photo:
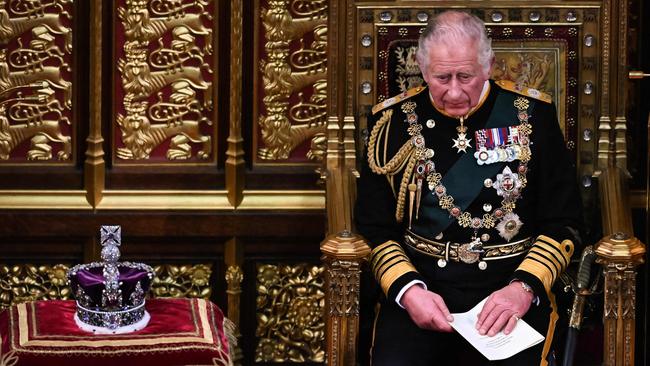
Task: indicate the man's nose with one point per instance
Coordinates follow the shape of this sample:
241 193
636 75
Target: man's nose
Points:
455 90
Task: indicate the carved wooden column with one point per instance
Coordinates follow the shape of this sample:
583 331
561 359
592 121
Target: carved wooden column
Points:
235 163
94 166
234 257
343 255
619 254
343 251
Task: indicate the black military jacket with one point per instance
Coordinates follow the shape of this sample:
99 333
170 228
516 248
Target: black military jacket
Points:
548 207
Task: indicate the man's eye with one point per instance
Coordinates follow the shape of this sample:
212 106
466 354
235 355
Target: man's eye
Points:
443 77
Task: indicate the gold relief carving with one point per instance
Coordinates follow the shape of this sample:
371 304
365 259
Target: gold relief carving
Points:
182 281
629 308
168 8
318 147
39 116
629 295
619 254
29 63
31 13
234 277
139 25
612 280
342 255
27 282
140 82
344 288
334 334
284 72
140 135
290 302
171 69
30 76
610 314
183 48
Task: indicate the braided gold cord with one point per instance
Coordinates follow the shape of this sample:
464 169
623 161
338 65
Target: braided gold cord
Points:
398 160
401 197
405 157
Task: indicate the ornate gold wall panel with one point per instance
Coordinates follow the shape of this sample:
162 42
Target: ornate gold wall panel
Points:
27 282
290 302
173 280
291 88
36 120
164 81
551 47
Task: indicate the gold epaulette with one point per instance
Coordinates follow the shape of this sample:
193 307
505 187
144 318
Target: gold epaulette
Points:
529 92
396 99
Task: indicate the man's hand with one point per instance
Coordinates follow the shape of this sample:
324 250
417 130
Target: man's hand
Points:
503 308
427 309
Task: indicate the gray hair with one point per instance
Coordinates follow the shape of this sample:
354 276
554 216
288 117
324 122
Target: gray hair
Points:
453 25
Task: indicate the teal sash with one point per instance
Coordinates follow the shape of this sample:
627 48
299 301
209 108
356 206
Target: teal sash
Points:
464 180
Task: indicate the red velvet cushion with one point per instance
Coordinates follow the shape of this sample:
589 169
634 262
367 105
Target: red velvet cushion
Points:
181 332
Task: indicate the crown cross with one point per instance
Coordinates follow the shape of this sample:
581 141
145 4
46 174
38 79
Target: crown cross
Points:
111 235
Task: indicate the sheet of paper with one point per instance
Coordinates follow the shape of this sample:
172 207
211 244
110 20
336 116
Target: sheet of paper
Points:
501 346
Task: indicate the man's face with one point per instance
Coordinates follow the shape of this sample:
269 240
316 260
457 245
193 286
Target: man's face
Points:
455 77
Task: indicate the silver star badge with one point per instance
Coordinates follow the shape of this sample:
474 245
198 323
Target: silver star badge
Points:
462 143
507 184
509 226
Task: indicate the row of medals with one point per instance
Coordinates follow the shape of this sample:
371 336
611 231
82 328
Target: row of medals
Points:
507 184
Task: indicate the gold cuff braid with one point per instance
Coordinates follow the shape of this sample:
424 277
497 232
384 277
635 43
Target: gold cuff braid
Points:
547 259
389 262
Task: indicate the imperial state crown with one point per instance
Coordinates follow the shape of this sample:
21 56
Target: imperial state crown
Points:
110 295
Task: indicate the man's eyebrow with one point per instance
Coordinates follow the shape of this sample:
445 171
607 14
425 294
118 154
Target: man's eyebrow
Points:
449 74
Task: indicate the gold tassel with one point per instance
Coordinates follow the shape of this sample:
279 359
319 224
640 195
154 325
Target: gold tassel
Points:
418 197
412 187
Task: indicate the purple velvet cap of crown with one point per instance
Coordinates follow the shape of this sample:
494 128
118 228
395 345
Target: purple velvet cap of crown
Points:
91 280
101 308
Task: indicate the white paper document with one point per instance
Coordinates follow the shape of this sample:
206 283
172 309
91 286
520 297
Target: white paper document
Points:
500 346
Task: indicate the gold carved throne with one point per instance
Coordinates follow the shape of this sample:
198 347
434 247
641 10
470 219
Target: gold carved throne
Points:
569 50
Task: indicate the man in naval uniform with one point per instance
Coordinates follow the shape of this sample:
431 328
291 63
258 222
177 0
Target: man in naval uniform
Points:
467 192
